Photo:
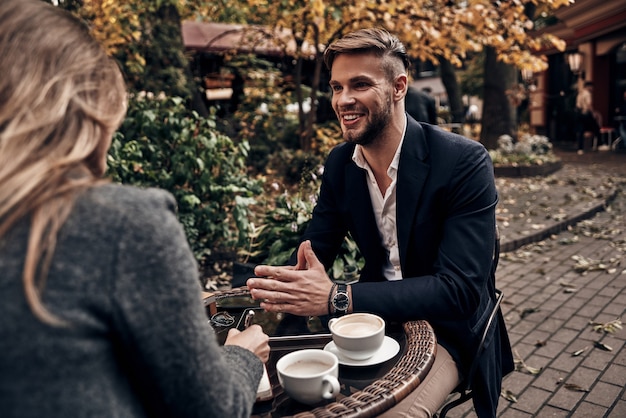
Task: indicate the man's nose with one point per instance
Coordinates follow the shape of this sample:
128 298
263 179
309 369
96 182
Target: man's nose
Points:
346 98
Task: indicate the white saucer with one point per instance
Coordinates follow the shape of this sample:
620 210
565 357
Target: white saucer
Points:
389 349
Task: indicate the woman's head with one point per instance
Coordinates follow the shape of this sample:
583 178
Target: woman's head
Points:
61 99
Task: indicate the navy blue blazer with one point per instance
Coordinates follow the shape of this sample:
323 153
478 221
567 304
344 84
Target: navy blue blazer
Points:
446 200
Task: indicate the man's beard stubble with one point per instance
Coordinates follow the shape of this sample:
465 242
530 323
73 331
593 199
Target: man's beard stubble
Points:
373 129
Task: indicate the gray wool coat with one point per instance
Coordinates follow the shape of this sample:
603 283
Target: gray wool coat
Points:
139 343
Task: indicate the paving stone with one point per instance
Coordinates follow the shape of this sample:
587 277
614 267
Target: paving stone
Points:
604 394
615 374
537 361
620 358
566 362
565 399
548 411
598 359
531 400
577 323
523 327
619 411
600 302
551 349
548 379
590 310
564 312
583 377
517 382
588 410
514 413
550 325
565 335
572 302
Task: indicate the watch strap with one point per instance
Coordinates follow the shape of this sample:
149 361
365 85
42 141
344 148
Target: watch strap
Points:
330 298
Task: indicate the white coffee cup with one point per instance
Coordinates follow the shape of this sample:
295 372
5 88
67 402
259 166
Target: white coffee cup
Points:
357 336
309 375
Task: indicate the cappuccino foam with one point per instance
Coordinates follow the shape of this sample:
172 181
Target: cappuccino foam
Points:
303 368
356 329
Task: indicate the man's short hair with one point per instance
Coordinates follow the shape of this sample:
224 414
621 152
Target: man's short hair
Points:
375 41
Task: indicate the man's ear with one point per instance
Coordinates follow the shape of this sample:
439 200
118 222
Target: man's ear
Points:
400 87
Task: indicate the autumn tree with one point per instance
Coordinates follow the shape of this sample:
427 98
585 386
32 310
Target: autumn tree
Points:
146 37
441 31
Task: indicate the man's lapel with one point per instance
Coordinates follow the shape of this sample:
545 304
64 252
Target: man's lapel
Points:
358 196
412 173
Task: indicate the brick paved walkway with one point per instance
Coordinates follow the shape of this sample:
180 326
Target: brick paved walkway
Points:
553 289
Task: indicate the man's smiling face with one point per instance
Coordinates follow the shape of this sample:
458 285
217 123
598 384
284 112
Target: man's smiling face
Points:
362 96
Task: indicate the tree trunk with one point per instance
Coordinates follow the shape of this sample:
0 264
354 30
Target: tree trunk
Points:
308 133
450 82
167 69
498 113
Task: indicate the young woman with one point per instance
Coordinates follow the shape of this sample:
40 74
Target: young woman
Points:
99 295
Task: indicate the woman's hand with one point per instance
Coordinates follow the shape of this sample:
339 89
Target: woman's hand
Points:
252 338
302 291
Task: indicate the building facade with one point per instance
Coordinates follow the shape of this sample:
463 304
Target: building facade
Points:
595 33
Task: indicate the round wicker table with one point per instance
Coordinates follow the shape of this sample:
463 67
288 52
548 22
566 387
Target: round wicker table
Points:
378 393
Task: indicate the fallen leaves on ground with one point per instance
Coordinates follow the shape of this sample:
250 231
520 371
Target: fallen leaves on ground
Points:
585 264
572 386
527 311
521 366
508 395
602 346
568 287
607 327
568 240
590 228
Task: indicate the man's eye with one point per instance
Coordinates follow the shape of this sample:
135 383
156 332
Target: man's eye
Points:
361 85
335 88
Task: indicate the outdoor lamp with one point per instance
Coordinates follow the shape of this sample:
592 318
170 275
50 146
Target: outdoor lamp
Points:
527 75
575 62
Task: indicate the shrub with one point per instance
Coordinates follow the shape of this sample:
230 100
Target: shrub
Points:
162 144
528 150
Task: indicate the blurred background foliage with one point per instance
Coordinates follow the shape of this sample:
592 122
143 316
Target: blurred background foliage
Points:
246 178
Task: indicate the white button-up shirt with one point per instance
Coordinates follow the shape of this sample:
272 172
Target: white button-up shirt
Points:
385 208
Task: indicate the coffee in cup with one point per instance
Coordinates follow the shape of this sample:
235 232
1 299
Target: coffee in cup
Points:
358 336
309 375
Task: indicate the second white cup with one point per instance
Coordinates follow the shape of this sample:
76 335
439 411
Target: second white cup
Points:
358 336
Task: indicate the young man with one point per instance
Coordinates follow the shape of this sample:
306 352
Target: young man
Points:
420 203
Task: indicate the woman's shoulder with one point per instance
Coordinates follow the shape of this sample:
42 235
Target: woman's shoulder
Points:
115 200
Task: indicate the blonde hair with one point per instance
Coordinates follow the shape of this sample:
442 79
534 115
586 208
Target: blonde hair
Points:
61 99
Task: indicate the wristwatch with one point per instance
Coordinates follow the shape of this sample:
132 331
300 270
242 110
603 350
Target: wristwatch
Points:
341 300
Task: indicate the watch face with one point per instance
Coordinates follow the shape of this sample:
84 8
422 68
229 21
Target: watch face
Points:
341 301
